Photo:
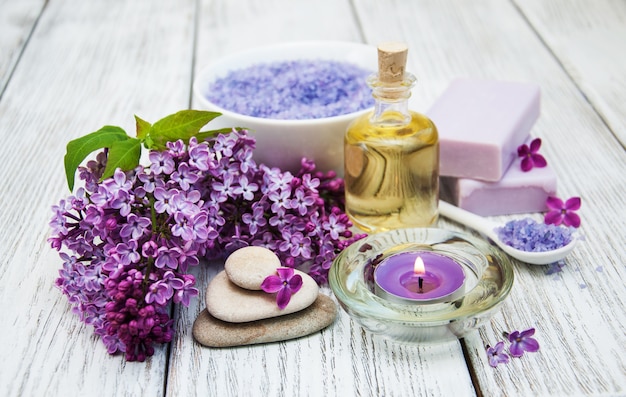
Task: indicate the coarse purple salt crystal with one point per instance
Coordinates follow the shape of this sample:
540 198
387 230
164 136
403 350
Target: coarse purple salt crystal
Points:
290 90
528 235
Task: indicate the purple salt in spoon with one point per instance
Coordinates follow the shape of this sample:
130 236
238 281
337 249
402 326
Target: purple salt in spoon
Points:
488 228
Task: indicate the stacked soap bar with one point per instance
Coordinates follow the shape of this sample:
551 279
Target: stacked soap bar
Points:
516 192
481 124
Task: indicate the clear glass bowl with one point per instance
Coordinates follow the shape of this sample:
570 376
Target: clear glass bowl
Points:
488 281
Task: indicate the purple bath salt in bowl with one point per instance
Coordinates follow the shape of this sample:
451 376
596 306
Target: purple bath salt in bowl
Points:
299 98
293 89
531 236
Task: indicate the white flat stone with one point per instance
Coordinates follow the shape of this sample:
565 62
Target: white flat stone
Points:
247 267
212 332
229 302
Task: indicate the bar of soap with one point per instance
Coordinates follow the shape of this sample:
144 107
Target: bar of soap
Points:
481 123
517 191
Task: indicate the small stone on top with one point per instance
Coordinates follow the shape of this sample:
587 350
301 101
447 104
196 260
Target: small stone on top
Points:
249 266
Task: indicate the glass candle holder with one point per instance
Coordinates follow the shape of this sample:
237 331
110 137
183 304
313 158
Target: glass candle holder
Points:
404 316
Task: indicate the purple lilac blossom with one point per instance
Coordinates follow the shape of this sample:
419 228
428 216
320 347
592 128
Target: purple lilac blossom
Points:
124 264
522 342
528 235
284 284
497 355
530 155
563 212
290 90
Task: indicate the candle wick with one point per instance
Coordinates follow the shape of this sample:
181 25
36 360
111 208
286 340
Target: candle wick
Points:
420 283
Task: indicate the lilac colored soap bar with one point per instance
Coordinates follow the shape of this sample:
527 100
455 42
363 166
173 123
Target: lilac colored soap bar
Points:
481 123
517 191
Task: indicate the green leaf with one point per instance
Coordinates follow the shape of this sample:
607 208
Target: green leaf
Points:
213 133
78 149
181 125
124 155
143 127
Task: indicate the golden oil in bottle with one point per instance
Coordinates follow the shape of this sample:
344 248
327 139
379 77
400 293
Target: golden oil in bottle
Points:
391 155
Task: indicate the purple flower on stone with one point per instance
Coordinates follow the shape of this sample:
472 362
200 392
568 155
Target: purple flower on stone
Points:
530 156
286 283
563 212
497 355
522 341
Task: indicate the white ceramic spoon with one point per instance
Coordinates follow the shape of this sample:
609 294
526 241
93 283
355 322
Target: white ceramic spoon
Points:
487 228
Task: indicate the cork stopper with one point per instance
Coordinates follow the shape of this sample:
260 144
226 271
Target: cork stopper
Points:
391 62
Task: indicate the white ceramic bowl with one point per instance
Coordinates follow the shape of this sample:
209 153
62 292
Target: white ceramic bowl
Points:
283 143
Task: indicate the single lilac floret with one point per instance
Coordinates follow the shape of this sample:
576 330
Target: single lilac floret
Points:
286 283
531 236
530 155
497 355
522 342
561 212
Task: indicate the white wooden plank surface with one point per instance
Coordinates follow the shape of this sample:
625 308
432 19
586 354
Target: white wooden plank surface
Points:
17 19
342 360
582 330
94 63
86 65
589 39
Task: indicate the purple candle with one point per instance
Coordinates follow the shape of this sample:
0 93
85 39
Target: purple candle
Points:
420 277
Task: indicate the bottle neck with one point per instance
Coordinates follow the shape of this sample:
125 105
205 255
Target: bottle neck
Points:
391 100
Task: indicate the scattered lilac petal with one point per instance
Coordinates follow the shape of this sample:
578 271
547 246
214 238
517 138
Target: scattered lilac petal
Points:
530 156
522 342
554 268
563 212
497 355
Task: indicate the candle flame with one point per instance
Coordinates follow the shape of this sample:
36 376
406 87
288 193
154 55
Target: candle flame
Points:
418 267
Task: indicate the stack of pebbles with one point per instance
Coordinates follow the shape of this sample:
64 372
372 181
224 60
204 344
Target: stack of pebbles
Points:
240 313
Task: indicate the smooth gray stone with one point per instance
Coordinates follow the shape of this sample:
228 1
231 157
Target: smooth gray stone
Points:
247 267
229 302
212 332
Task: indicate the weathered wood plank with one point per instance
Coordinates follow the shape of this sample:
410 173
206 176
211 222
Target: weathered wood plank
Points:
91 63
342 360
582 330
18 19
589 39
87 64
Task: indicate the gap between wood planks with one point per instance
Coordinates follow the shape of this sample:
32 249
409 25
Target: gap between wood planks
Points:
562 66
21 51
470 368
194 49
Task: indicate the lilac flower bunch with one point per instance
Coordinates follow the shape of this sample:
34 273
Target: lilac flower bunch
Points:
128 241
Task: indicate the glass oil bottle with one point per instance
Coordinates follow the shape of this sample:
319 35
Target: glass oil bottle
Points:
391 155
